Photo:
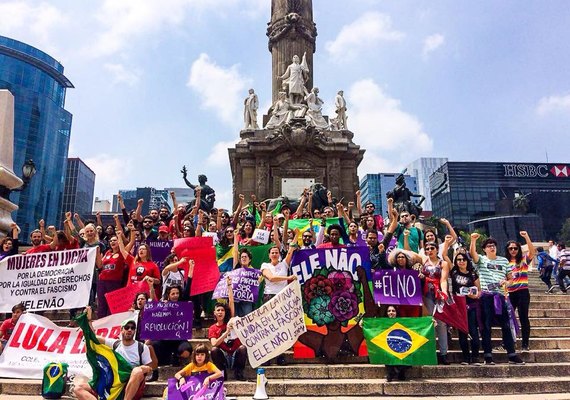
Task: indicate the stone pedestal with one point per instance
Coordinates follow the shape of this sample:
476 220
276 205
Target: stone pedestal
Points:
7 177
262 158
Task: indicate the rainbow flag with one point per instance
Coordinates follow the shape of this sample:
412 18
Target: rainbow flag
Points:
111 371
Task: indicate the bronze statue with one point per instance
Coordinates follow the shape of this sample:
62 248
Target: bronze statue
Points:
403 197
207 194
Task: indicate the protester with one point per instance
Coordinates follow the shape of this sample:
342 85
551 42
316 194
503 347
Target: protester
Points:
9 324
334 233
563 267
137 354
545 266
9 245
200 363
415 237
242 259
173 272
395 371
519 294
494 272
140 267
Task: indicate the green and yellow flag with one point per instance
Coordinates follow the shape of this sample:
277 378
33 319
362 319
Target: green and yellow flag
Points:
400 341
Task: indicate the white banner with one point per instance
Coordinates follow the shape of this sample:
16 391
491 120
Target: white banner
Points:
274 327
56 280
37 341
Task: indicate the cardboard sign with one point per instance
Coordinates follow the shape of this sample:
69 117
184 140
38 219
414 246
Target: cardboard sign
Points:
245 285
121 300
167 320
261 236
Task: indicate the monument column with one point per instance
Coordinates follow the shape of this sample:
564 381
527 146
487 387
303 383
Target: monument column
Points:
291 32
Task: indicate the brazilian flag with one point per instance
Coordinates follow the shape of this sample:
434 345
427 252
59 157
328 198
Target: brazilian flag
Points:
304 225
111 371
400 341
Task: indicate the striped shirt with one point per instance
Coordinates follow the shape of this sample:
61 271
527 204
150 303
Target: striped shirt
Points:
491 272
564 258
520 275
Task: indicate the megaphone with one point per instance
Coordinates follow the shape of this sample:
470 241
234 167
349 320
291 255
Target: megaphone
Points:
260 393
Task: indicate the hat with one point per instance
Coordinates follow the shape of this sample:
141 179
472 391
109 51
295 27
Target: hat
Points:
125 322
163 228
280 215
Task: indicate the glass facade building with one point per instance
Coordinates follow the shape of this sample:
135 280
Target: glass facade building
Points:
373 187
79 188
42 129
465 192
421 169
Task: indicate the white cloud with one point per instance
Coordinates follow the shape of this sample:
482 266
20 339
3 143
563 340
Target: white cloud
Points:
31 23
111 173
391 136
553 104
432 42
121 75
221 89
363 34
219 155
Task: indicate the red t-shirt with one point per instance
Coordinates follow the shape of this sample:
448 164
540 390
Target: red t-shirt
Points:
74 244
7 327
329 245
216 331
141 269
113 266
42 248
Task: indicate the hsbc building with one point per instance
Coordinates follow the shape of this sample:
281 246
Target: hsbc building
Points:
525 196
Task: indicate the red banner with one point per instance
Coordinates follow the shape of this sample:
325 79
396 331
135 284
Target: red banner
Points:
121 300
206 273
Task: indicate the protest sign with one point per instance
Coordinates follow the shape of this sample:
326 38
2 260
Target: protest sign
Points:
274 327
206 273
245 285
401 287
36 341
261 236
121 300
167 320
47 281
160 249
194 389
341 259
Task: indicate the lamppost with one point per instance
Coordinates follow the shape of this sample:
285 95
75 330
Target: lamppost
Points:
28 171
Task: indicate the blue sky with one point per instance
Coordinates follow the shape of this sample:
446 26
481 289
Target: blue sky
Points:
160 84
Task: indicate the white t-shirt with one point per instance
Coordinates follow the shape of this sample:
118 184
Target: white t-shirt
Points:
553 252
131 353
173 279
281 269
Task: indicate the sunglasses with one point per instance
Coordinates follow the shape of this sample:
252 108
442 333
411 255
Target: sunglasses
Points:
430 248
460 259
513 248
129 327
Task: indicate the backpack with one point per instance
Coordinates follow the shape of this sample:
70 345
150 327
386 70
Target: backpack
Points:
140 347
54 381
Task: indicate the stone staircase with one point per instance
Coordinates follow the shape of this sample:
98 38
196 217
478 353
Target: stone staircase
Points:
546 373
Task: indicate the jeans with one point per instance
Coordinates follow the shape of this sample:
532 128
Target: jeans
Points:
243 308
546 275
224 360
474 333
441 328
488 315
562 273
521 301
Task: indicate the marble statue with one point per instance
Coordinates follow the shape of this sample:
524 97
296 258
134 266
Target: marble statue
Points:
314 114
207 194
340 104
281 112
294 79
251 104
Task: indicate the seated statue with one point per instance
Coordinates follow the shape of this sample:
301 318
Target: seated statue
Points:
314 114
281 112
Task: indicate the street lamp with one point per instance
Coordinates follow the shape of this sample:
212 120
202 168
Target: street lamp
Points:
28 171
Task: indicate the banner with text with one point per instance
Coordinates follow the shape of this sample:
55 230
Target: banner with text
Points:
401 287
159 249
274 327
167 320
194 388
245 285
54 280
37 341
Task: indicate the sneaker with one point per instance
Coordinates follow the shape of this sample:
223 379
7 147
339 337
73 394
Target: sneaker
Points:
516 360
402 375
551 289
443 360
489 361
525 349
476 361
500 348
464 362
152 377
239 375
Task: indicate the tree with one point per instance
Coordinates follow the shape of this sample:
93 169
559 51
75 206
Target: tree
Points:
564 235
466 236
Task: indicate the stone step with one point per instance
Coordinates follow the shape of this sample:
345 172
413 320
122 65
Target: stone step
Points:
550 343
543 396
564 305
548 313
550 322
352 387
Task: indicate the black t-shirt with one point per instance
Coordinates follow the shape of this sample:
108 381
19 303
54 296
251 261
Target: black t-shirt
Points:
459 279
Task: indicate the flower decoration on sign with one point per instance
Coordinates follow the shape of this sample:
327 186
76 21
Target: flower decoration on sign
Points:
330 296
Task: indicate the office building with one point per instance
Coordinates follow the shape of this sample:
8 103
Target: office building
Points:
101 205
477 193
42 129
421 169
79 188
373 187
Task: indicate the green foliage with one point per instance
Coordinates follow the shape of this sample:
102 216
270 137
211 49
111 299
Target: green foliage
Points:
564 235
467 239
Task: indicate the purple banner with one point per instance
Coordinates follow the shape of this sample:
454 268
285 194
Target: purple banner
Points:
193 388
167 320
159 249
304 262
245 285
397 287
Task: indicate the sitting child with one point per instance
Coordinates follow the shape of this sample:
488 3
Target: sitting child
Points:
200 363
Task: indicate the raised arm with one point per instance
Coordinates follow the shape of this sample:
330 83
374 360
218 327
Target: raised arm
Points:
275 229
446 245
531 249
393 216
122 248
302 202
200 227
231 301
263 206
359 203
235 250
449 229
138 211
473 247
132 235
79 221
98 219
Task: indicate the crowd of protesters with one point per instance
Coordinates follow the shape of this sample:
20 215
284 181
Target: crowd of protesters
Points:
491 283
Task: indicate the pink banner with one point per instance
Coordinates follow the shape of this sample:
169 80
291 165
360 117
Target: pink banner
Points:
121 300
